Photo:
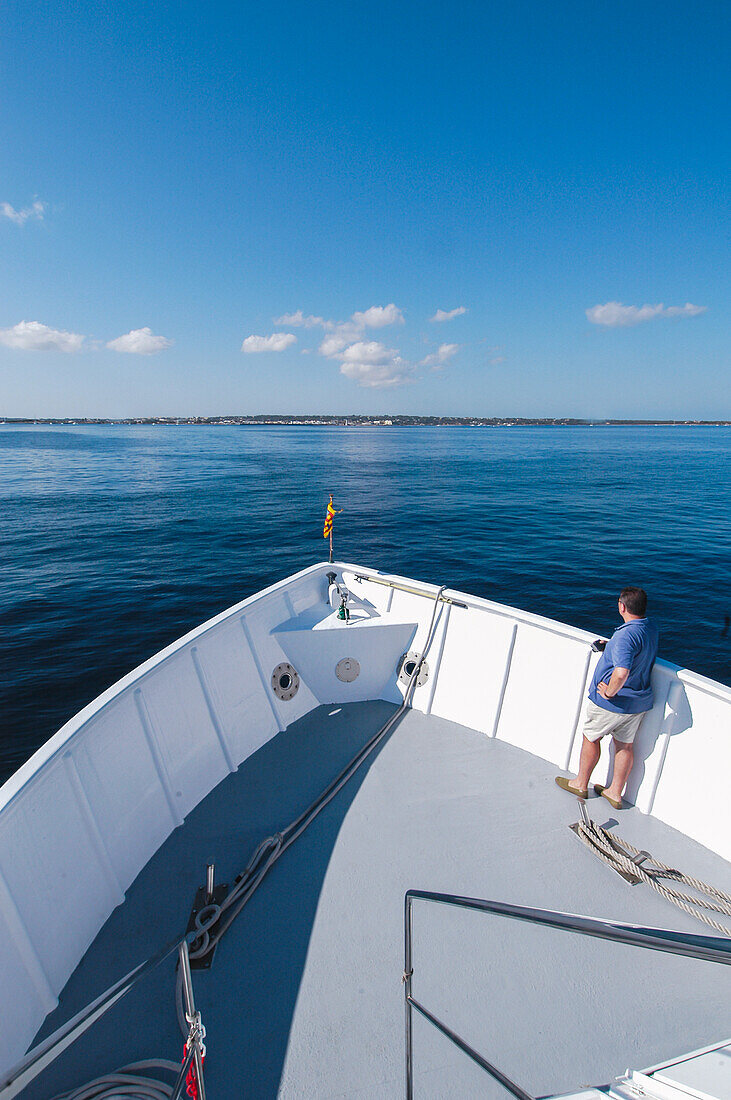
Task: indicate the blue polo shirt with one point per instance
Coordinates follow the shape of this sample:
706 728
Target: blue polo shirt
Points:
634 646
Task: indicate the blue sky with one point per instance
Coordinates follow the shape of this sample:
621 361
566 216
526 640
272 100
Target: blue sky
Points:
178 178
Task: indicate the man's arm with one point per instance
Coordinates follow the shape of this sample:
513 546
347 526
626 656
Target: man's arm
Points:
617 681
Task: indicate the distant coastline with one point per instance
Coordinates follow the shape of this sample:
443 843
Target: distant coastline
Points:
359 421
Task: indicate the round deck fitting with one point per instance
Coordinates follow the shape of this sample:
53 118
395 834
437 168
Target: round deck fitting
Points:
347 670
408 663
285 681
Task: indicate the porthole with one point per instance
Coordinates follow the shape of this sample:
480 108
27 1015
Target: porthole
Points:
407 666
285 681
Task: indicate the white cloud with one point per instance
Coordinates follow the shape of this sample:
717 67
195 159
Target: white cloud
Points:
343 333
614 314
497 360
449 314
376 375
34 212
340 336
299 318
440 356
33 336
140 341
331 345
379 317
367 362
372 364
368 351
278 341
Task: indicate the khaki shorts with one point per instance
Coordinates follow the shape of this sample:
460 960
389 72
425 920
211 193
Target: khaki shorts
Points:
598 722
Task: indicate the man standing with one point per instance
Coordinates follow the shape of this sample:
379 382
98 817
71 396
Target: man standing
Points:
619 696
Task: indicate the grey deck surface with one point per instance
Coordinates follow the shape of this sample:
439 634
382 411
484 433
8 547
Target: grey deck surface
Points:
305 998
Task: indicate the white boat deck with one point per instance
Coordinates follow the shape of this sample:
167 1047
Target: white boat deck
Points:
305 999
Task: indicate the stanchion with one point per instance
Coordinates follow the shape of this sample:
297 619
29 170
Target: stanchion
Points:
194 1049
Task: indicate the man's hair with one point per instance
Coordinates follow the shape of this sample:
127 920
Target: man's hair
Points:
635 600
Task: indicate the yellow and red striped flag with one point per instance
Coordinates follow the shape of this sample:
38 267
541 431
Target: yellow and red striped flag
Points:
328 520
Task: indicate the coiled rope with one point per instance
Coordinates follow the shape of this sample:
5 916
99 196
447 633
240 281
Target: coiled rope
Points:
620 855
127 1082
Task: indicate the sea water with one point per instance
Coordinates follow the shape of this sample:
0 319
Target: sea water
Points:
118 539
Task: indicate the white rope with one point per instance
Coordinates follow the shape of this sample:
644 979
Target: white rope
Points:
127 1082
620 855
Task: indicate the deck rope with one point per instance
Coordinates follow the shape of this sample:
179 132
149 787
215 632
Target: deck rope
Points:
620 855
128 1083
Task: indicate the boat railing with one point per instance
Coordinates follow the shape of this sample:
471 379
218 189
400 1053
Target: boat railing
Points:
707 948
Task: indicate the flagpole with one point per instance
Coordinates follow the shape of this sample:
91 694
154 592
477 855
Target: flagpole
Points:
328 529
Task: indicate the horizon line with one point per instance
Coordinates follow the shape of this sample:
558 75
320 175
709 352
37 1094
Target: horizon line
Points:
374 419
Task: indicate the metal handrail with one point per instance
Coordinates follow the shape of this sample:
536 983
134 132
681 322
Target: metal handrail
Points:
708 948
361 576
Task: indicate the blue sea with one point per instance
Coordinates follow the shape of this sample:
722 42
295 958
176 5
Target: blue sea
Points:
117 540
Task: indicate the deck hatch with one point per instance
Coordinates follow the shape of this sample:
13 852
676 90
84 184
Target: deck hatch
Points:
347 669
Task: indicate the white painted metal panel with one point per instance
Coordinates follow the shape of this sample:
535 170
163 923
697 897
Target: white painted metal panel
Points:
122 784
473 669
238 698
692 792
21 974
376 645
259 622
52 870
407 608
544 693
308 592
181 726
651 741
